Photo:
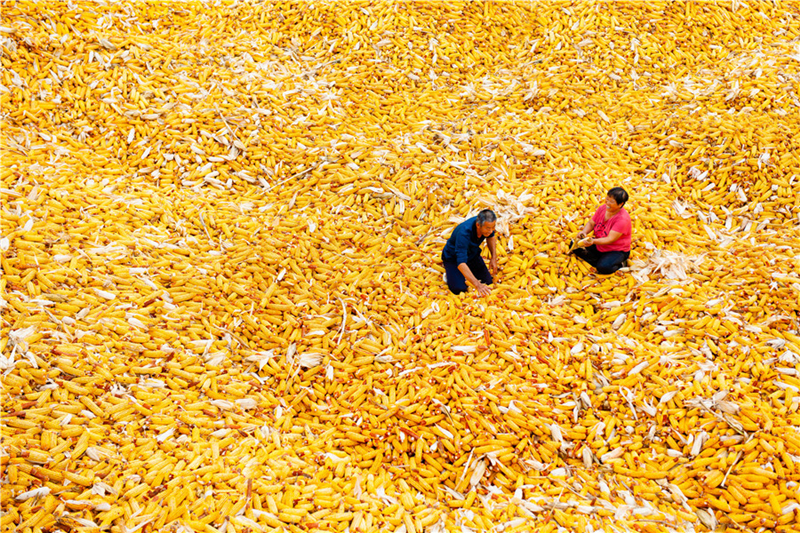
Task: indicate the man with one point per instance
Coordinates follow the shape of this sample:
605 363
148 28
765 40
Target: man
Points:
462 254
609 250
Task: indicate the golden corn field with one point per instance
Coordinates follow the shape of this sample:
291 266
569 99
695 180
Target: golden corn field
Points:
222 298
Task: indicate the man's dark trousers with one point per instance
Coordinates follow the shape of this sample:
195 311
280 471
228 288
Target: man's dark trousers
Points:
455 279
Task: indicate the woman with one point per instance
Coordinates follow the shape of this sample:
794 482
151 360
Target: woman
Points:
610 248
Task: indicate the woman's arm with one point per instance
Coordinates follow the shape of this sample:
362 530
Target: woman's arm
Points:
610 238
587 228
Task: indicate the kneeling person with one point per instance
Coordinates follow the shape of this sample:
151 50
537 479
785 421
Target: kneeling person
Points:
609 250
462 254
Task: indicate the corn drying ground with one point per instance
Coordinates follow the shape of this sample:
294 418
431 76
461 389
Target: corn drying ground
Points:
223 307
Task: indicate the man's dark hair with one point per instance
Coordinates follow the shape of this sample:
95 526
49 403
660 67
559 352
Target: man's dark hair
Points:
618 194
487 215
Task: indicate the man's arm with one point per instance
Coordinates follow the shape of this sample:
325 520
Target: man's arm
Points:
462 247
482 289
612 236
492 243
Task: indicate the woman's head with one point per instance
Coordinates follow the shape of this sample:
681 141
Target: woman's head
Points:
615 199
619 195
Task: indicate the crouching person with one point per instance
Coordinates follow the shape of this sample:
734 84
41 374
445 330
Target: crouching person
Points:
462 254
610 248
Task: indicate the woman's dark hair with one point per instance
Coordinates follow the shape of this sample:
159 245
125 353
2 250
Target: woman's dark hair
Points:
618 194
487 215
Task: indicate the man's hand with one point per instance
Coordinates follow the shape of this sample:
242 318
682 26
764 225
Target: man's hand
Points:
493 266
483 290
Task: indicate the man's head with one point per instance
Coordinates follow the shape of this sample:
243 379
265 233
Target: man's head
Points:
486 223
615 199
